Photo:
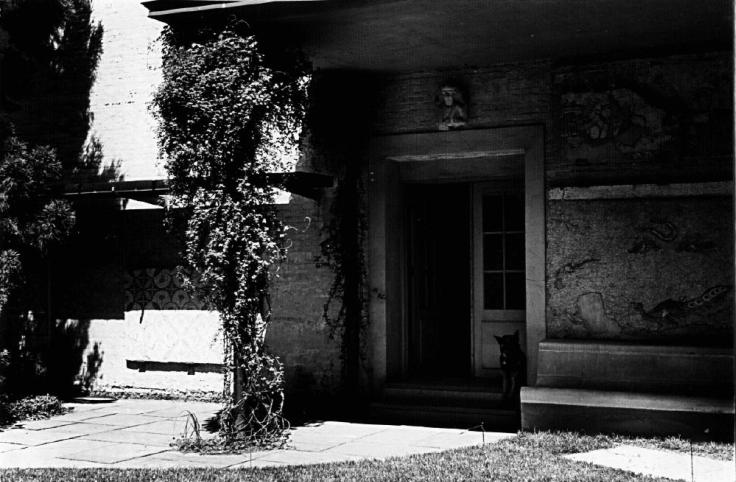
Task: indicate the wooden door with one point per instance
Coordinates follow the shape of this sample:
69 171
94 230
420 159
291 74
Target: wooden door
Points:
438 243
499 280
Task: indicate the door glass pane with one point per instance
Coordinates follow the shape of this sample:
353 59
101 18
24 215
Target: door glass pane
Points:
493 251
503 251
515 288
514 209
493 291
515 251
492 213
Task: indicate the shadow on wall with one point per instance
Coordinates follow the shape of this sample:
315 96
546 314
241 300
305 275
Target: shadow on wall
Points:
49 52
86 285
48 72
71 371
49 358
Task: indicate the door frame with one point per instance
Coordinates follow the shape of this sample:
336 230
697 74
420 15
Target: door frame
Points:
468 155
481 315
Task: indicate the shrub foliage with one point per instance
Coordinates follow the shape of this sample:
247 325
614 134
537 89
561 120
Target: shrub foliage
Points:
48 63
228 116
32 219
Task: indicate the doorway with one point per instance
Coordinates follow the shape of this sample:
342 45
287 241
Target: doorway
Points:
433 160
438 243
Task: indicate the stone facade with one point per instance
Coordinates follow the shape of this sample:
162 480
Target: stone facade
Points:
628 269
646 270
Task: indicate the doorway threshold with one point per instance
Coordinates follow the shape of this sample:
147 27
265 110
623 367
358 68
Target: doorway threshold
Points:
461 384
447 401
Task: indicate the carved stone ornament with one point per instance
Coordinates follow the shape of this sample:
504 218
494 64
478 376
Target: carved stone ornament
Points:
453 107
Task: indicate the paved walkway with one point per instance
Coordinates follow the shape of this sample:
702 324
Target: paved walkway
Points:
661 463
137 434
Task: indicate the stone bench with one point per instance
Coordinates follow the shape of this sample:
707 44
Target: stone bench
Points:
599 411
170 366
683 370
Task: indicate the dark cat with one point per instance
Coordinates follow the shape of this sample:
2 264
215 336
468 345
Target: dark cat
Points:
513 365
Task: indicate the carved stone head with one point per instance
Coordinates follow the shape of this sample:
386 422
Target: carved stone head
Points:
453 110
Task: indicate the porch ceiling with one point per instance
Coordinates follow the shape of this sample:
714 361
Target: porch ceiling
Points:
415 35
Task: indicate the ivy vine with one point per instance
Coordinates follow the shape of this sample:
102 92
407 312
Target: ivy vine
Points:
337 147
229 115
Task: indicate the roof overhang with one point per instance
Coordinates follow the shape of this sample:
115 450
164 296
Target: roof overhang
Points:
307 184
416 35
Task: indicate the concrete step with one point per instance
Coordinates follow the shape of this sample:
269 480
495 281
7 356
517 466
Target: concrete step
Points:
603 411
442 395
492 419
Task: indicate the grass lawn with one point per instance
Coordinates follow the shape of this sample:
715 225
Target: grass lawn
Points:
528 457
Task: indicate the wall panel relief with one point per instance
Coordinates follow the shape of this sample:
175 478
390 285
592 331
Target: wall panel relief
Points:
656 269
630 119
157 289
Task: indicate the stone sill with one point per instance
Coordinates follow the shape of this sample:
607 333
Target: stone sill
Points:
641 191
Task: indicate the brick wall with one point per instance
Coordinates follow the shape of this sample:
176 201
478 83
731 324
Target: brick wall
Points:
57 105
298 334
127 76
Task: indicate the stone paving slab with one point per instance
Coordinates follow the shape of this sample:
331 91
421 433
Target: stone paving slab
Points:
406 435
155 462
125 419
258 463
455 440
41 424
85 407
661 463
215 460
132 437
112 453
79 415
6 447
32 437
297 457
51 462
174 428
84 428
308 445
322 438
52 450
378 451
344 429
138 433
199 409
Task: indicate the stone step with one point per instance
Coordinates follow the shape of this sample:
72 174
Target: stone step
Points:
491 419
442 395
603 411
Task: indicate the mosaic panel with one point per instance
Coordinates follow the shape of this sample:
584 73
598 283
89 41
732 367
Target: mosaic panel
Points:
157 289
